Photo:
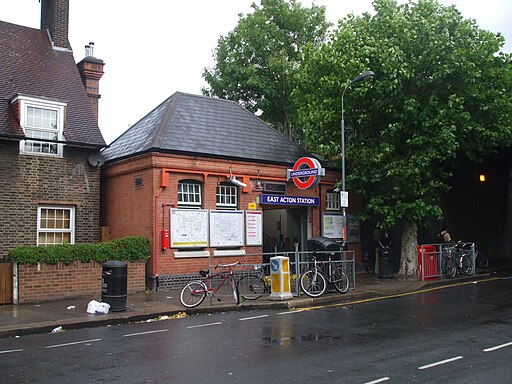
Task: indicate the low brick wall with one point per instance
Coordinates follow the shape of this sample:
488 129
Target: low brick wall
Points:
44 282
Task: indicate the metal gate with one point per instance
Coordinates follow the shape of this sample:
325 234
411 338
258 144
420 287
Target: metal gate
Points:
5 283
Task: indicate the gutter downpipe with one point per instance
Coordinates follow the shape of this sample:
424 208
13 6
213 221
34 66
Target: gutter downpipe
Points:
155 239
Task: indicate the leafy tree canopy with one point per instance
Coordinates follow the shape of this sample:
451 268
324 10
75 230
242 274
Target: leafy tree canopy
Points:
256 63
442 89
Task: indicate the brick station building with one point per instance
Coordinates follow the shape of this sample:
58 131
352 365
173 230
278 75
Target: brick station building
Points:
206 181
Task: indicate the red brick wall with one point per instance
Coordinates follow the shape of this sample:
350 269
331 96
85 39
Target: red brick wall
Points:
43 282
130 210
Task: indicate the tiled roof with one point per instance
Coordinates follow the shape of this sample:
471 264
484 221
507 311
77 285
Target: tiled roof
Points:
205 126
30 66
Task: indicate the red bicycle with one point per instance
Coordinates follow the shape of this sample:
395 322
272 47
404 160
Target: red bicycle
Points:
194 292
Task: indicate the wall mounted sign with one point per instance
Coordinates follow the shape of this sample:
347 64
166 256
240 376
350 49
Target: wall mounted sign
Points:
290 200
306 173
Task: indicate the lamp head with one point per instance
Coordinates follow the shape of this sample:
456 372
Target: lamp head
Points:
364 76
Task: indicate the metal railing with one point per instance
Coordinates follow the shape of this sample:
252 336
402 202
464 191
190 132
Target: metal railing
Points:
433 259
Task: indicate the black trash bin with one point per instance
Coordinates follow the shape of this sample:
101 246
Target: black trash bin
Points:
114 285
327 246
385 263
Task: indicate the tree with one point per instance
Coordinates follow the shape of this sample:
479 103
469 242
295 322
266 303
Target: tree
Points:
442 90
256 63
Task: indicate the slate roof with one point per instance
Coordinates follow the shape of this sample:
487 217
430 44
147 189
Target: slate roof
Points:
30 66
204 126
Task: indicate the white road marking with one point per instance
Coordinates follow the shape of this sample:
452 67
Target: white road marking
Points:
145 333
204 325
291 312
490 349
253 317
440 362
11 351
378 380
74 343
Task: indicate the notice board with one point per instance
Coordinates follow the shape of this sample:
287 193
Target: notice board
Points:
226 228
189 228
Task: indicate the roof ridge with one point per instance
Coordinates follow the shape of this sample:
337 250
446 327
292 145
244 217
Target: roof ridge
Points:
164 123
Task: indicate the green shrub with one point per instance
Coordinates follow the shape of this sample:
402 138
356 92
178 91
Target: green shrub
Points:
124 249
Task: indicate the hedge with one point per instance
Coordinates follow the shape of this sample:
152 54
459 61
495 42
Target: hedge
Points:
124 249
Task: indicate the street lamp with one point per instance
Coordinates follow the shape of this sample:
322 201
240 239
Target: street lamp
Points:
364 76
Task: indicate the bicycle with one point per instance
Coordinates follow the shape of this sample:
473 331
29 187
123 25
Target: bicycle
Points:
456 260
314 281
195 291
253 285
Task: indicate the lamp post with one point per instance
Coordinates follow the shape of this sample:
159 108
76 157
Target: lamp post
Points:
363 76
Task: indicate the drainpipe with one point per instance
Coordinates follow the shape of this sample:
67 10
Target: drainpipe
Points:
155 238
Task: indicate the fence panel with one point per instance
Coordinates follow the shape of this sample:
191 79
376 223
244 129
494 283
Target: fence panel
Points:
5 283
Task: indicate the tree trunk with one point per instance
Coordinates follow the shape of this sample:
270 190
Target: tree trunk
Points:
409 250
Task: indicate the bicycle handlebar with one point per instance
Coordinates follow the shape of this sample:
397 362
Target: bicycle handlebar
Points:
227 265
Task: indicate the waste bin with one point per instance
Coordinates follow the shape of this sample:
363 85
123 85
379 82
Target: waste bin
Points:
385 268
427 262
325 245
114 284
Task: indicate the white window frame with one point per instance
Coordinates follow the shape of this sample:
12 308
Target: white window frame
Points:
226 197
332 201
58 107
193 189
42 229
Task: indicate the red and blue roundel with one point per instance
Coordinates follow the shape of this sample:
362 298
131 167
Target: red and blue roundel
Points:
306 173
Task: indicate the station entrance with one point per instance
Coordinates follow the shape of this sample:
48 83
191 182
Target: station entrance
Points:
285 228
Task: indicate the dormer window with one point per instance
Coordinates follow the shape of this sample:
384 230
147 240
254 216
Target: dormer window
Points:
43 122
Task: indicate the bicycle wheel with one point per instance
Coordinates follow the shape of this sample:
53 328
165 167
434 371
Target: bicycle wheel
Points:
467 265
312 283
251 287
448 267
193 294
234 289
340 279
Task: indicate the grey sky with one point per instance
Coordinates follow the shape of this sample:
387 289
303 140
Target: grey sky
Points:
154 48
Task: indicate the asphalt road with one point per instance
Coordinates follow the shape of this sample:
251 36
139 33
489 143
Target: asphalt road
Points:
459 334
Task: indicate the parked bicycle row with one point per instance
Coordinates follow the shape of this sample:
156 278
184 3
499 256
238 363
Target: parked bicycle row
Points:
450 259
318 273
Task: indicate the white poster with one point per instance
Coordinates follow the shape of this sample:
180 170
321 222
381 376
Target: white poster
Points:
332 225
189 228
253 228
226 228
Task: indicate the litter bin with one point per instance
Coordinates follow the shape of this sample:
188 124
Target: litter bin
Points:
327 247
427 262
114 284
385 263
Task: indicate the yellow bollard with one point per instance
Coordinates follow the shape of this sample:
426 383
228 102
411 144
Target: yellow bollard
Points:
280 278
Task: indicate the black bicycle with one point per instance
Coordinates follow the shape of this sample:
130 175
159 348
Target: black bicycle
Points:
456 259
314 281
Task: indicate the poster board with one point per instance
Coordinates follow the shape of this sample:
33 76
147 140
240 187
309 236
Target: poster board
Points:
254 228
226 228
332 225
189 228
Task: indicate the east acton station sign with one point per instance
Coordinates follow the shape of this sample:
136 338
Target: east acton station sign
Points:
306 174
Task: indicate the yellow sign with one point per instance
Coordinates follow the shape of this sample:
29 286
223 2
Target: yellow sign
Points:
251 206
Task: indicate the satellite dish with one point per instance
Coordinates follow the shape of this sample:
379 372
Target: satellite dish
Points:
96 159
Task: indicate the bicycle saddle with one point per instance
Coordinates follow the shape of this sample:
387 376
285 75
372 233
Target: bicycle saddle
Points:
204 273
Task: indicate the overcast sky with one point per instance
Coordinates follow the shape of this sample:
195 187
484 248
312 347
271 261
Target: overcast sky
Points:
154 48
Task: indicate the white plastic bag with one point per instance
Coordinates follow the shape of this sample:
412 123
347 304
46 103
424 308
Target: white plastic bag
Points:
97 308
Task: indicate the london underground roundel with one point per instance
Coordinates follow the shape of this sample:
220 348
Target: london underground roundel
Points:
306 173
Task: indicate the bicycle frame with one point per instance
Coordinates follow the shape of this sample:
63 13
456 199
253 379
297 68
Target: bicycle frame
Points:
211 289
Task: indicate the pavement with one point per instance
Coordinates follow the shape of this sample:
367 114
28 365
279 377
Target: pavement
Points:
66 314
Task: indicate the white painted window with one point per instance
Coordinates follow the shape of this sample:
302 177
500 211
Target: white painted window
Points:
227 197
189 194
332 201
42 121
55 225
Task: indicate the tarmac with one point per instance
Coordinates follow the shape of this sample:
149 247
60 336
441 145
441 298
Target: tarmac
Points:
66 314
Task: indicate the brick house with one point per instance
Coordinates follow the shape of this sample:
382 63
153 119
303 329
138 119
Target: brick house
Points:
48 132
188 173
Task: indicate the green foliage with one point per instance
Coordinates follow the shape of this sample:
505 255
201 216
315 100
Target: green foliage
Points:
257 62
442 90
127 248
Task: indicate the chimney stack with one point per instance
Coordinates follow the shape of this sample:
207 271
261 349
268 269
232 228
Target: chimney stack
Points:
91 71
55 20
